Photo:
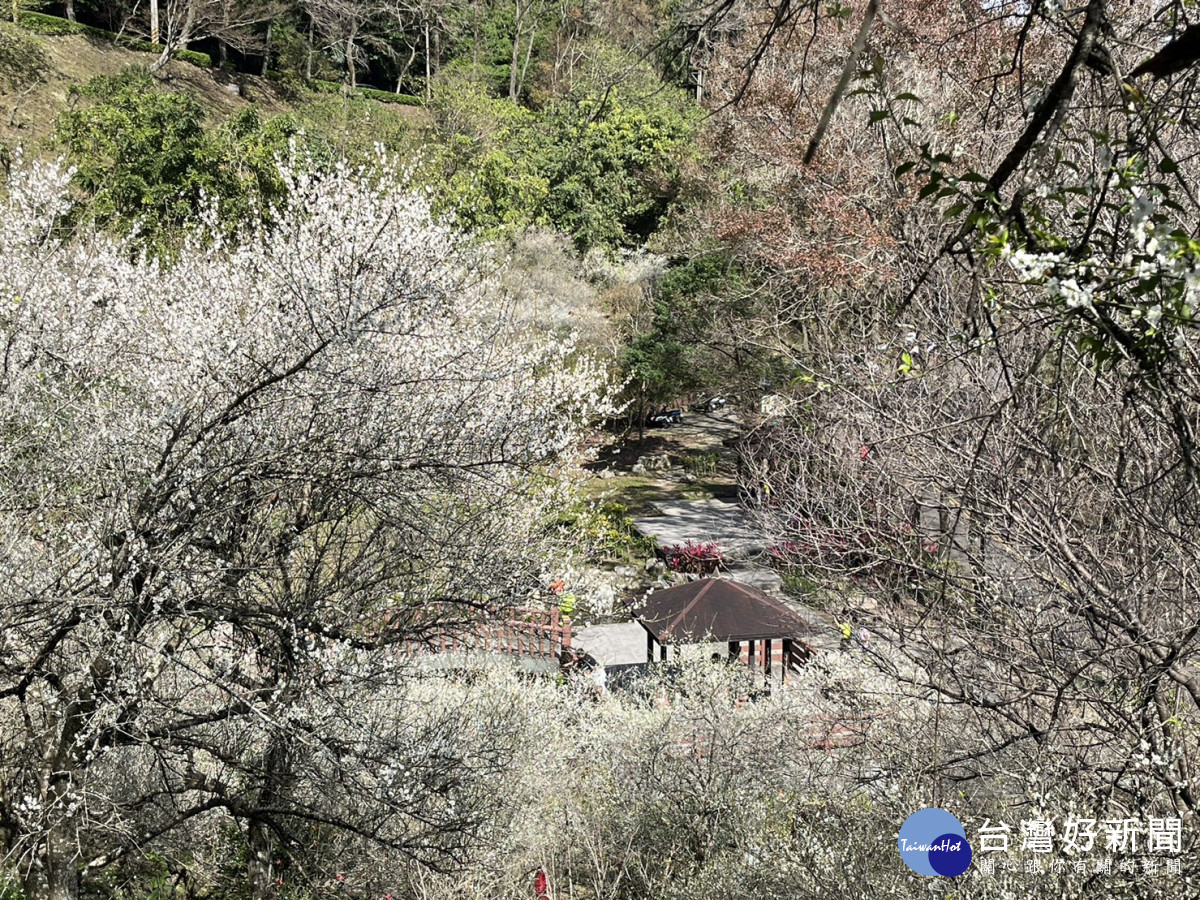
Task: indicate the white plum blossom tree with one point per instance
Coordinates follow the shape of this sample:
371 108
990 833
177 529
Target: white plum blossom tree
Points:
231 485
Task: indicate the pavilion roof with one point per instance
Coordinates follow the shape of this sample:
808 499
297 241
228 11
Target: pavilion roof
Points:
717 609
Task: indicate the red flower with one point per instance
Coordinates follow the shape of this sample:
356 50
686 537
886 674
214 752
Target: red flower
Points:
863 451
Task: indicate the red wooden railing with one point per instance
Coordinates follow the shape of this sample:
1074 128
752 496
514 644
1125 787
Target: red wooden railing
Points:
534 633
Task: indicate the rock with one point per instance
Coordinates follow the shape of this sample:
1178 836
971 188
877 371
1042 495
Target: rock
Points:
625 572
689 478
606 474
654 564
638 469
774 405
655 462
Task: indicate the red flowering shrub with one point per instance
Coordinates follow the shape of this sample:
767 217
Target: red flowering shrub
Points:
696 557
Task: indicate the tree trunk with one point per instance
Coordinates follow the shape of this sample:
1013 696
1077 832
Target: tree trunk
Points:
266 66
70 10
412 55
58 876
437 51
176 40
62 871
258 862
475 39
428 64
259 837
309 58
154 32
528 55
516 54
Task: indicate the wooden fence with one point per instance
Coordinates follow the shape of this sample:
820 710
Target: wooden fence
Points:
532 633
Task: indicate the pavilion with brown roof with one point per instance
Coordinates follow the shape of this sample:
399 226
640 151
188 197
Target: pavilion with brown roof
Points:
719 610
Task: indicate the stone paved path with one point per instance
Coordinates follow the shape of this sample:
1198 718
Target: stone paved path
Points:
723 521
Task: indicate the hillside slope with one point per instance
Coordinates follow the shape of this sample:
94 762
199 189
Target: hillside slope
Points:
28 107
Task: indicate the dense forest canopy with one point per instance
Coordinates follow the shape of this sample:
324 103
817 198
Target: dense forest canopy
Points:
291 384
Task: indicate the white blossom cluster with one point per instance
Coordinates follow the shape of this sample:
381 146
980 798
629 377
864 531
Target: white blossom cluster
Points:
1152 288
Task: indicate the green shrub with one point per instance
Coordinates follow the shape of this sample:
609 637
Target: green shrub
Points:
350 127
485 165
146 160
136 151
321 86
701 465
613 165
389 97
48 25
9 888
611 531
202 60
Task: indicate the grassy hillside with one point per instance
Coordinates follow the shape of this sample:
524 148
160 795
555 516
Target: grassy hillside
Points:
37 74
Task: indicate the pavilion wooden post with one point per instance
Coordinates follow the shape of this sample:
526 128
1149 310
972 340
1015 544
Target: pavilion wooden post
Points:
735 651
787 660
662 652
751 659
767 659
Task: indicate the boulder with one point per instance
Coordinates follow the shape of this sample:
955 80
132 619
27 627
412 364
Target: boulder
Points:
654 462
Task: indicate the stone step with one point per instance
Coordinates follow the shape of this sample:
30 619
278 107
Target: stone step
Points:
766 580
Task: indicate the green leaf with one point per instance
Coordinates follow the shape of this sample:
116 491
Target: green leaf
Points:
908 96
955 210
878 115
